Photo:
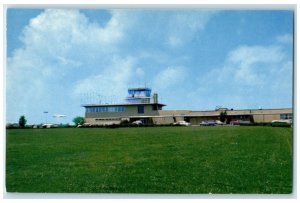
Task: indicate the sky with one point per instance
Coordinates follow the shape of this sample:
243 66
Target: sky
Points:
59 59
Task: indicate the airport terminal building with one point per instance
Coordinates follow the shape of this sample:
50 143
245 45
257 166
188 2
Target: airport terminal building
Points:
141 105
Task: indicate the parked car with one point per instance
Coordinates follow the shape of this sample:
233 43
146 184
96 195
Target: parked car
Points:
138 122
219 122
244 122
182 123
203 123
237 122
208 123
288 121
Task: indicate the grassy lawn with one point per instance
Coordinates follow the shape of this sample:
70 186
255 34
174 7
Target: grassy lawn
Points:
150 160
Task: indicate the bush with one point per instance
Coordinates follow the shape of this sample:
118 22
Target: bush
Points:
113 126
276 124
281 124
124 123
256 124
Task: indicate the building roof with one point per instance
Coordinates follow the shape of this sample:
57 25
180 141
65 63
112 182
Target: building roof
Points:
173 112
190 113
140 89
121 104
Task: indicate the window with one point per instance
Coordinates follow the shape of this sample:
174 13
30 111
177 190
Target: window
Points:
286 116
154 107
105 109
140 109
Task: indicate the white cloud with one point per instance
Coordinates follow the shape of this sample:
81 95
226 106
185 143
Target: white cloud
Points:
171 76
64 26
111 82
183 26
167 28
60 46
254 54
249 74
249 64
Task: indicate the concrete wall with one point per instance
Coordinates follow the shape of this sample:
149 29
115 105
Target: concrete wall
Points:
163 120
259 115
260 118
93 121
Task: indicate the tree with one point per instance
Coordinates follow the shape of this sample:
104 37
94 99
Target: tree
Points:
78 120
22 121
223 116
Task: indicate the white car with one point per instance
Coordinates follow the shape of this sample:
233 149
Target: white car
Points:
138 122
219 122
288 121
182 123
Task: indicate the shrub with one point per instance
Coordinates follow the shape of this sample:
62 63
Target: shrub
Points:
281 124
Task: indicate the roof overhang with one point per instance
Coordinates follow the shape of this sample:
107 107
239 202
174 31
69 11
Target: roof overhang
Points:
125 104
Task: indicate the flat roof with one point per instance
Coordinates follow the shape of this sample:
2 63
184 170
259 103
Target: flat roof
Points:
140 89
124 104
261 109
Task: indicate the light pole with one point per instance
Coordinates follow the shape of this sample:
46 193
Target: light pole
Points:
45 112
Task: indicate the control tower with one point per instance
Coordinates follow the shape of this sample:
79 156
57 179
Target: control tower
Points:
141 96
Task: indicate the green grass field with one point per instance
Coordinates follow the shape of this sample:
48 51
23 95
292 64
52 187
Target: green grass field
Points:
150 160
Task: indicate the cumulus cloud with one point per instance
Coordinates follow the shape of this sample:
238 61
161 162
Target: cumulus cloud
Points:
248 63
112 82
185 25
254 54
246 75
171 76
63 25
59 46
168 28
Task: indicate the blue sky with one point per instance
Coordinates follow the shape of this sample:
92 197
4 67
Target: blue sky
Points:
58 59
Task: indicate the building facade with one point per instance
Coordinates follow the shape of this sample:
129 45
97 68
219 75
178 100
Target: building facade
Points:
138 105
141 105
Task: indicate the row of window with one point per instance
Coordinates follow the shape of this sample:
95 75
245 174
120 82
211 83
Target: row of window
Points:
140 109
286 116
105 109
108 119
